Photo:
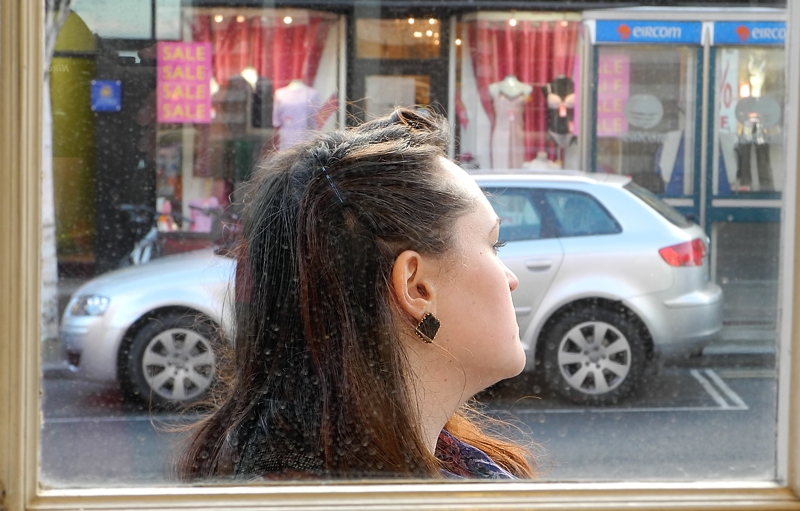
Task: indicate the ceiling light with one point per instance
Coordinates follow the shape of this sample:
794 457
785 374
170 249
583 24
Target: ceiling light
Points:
429 33
458 42
410 21
287 20
218 18
432 21
417 34
512 22
240 19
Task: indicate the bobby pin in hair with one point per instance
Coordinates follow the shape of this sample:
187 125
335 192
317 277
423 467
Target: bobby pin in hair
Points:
330 181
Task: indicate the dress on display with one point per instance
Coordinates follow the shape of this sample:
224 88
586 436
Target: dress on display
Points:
294 113
508 135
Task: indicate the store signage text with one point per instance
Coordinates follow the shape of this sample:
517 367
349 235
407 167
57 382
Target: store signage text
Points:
618 31
184 74
728 92
613 84
740 32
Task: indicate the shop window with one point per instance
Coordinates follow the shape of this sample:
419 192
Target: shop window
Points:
516 96
646 115
398 39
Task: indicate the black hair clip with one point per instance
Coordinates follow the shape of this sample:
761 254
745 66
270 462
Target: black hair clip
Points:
330 181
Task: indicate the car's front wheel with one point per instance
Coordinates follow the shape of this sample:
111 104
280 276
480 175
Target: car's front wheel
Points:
170 361
595 355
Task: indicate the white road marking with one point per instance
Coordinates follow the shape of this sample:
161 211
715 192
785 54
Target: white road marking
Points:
709 388
733 396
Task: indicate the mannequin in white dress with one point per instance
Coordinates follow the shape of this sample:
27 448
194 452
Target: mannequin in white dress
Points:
293 113
508 136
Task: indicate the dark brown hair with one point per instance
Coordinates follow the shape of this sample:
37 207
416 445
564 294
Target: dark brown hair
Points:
319 384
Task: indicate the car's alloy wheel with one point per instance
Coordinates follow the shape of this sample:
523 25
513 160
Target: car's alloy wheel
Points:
171 360
594 355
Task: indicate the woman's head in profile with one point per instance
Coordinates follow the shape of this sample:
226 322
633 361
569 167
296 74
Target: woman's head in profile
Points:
371 306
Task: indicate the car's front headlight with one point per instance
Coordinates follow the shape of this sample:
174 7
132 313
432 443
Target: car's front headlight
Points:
90 305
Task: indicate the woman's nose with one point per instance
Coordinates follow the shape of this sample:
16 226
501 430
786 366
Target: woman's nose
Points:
513 281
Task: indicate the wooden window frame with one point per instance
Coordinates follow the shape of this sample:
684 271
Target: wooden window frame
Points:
21 45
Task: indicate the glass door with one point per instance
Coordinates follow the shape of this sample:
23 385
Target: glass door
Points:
647 82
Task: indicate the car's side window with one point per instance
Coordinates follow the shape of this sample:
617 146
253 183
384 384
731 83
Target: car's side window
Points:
519 214
579 214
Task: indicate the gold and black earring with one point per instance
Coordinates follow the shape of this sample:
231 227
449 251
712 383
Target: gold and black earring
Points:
428 327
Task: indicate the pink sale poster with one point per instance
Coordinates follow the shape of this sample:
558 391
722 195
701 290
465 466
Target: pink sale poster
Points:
183 82
613 84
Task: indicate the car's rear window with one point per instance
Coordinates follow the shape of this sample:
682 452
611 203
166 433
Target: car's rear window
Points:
579 214
661 207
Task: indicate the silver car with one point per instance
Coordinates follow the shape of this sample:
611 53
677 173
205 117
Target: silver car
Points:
612 279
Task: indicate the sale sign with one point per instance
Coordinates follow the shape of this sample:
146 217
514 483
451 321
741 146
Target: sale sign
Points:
613 85
728 92
183 82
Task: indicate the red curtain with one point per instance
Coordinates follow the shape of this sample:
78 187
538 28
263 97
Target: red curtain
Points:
534 52
278 51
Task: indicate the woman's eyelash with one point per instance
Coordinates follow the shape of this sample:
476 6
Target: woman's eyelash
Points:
499 245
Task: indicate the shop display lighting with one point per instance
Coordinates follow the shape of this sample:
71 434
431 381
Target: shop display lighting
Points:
287 20
744 90
512 22
417 34
458 42
432 21
240 18
218 18
410 21
429 33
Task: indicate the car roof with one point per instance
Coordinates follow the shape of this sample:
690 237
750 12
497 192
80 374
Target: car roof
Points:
558 176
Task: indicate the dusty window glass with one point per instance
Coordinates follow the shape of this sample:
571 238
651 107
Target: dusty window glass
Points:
650 348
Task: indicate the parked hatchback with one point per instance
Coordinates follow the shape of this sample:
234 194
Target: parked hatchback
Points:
611 280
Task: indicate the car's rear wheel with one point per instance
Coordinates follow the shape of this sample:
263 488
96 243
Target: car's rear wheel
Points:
595 355
171 360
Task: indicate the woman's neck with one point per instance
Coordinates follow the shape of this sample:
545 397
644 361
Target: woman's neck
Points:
438 387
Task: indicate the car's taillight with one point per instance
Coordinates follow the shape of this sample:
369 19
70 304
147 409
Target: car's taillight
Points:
685 254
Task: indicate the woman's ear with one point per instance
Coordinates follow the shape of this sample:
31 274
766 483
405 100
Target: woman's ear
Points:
412 283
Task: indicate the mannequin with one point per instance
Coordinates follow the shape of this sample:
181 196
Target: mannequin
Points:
508 136
560 95
294 113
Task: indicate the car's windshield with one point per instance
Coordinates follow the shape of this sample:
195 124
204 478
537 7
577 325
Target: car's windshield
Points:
661 207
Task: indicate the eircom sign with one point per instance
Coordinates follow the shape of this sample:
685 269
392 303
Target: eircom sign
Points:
749 33
651 32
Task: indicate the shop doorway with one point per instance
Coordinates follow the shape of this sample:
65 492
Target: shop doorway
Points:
397 61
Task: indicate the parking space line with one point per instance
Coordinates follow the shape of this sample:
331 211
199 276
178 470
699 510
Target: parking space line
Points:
733 396
709 388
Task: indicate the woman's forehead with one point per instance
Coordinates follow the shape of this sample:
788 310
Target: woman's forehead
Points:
461 178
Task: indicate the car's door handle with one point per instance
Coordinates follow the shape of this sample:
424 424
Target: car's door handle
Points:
538 264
